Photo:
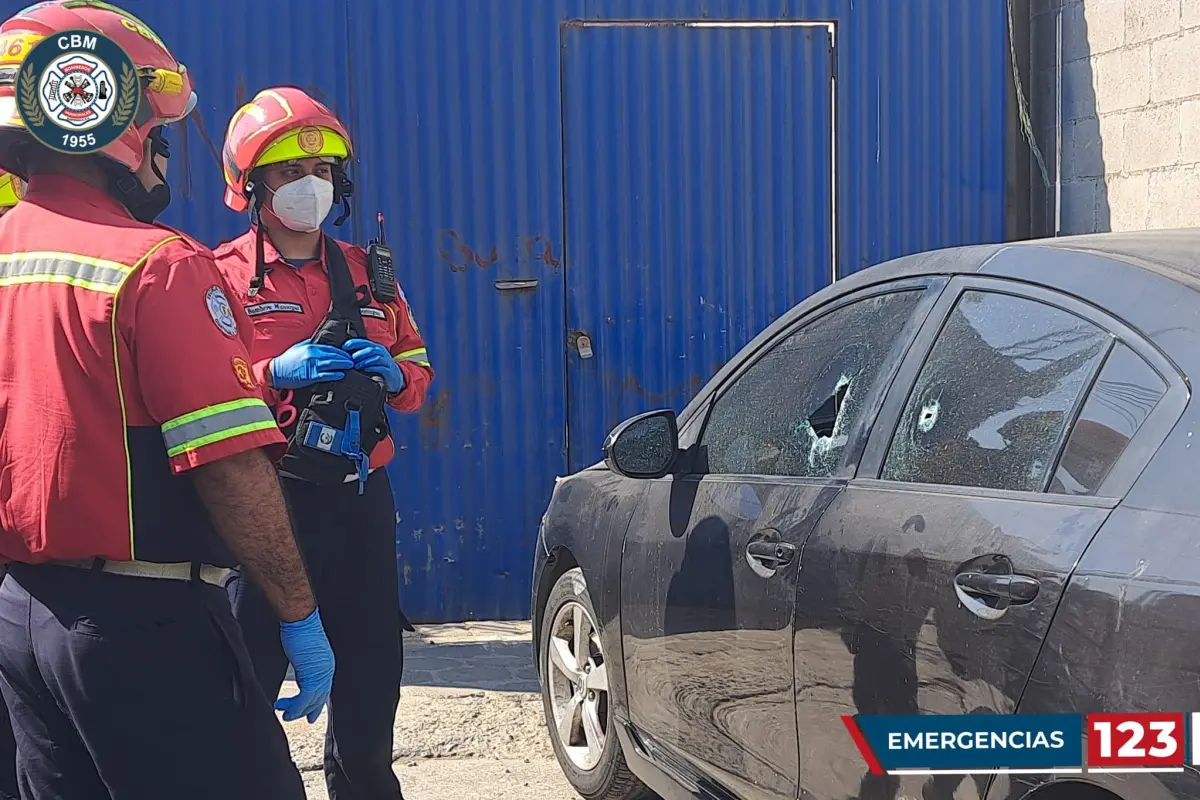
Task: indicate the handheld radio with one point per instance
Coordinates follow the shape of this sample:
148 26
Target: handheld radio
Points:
380 270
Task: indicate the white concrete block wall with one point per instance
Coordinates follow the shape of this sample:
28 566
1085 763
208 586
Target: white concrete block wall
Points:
1131 112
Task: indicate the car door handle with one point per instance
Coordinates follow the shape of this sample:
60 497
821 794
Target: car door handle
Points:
771 554
1016 589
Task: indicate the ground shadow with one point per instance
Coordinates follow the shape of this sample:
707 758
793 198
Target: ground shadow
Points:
492 666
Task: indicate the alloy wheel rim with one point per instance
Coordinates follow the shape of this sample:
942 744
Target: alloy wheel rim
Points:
578 685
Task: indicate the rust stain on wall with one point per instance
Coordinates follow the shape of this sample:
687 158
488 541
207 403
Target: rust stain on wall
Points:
435 420
539 248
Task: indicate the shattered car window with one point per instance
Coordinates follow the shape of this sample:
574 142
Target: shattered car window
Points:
992 400
791 413
1126 392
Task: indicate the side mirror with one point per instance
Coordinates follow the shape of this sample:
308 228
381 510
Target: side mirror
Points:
644 446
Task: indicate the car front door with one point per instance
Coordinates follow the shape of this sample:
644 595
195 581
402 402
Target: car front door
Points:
930 581
710 559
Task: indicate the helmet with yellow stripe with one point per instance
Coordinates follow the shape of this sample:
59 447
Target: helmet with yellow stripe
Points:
167 94
12 189
281 124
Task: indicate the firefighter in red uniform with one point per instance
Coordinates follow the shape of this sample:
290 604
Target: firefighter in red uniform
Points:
284 159
132 454
11 188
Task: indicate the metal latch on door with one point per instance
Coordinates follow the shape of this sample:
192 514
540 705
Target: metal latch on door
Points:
583 343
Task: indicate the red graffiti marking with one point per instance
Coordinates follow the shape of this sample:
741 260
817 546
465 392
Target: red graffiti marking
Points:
461 256
541 249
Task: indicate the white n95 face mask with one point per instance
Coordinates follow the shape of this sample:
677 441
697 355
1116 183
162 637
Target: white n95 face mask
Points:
303 204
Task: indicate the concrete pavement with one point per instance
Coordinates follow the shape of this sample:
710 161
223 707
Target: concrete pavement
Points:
470 724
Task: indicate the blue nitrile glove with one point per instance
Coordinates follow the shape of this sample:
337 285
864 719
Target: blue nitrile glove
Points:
305 363
307 648
375 359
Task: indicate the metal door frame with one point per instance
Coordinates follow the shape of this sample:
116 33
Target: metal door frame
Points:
834 241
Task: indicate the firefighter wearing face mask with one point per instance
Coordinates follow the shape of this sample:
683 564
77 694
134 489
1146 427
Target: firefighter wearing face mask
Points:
331 332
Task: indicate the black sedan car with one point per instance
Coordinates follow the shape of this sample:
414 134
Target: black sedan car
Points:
959 482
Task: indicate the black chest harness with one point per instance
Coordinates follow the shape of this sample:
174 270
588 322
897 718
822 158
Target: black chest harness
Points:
339 423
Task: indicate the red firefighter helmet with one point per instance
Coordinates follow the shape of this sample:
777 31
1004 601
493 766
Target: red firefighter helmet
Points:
280 124
167 94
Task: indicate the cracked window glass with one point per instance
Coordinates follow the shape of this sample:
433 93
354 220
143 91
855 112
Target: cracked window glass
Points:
991 402
1126 392
792 411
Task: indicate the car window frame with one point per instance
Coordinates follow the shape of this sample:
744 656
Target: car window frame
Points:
931 285
1129 465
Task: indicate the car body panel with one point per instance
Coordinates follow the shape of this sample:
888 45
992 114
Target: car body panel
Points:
707 633
1113 628
880 630
722 701
586 520
1124 640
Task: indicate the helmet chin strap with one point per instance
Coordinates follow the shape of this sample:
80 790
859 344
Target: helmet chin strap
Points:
256 192
258 195
342 189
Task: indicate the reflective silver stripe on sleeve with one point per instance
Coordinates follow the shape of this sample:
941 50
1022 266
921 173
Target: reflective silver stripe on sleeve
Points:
215 424
42 267
419 356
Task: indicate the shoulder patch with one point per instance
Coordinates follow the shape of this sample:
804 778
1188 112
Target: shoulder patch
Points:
245 377
220 311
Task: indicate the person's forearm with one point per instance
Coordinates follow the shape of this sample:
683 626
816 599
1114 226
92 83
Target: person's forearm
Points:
245 502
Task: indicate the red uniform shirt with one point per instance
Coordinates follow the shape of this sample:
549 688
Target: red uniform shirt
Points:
294 301
124 365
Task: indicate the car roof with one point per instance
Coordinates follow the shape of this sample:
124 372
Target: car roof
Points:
1173 254
1135 276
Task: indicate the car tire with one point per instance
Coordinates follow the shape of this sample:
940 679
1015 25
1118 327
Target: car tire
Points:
597 772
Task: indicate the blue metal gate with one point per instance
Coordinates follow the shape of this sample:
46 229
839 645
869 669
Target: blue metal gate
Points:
699 204
696 205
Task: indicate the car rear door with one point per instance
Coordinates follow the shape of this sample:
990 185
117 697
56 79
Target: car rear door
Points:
930 582
710 559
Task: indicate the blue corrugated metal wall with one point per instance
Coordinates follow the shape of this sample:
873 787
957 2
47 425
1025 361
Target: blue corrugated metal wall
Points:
698 204
457 109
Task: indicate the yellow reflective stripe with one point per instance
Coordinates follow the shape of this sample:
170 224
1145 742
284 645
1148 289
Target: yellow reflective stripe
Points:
116 344
10 190
321 142
419 356
95 274
216 424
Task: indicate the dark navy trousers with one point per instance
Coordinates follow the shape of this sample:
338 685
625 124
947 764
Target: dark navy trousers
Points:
348 543
8 745
134 688
8 758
